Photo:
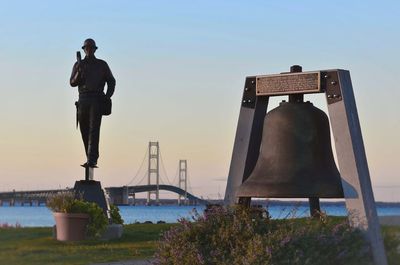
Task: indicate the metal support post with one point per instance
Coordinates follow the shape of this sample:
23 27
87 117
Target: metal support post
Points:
352 160
248 139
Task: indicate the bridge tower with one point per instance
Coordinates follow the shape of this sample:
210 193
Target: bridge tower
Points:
154 170
183 181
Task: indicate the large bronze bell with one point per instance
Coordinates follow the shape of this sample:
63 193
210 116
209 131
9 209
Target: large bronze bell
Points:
295 159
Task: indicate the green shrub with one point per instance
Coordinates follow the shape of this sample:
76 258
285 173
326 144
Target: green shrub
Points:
235 236
115 215
67 202
61 202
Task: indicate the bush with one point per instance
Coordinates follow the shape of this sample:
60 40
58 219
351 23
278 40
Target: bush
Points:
67 202
115 215
235 236
97 219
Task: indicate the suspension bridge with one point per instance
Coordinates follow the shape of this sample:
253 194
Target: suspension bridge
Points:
151 179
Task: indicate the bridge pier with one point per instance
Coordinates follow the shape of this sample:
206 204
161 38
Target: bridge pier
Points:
125 195
116 196
133 199
12 202
1 203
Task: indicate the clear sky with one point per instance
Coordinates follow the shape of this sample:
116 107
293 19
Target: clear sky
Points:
180 68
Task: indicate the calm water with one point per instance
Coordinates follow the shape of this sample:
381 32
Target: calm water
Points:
41 216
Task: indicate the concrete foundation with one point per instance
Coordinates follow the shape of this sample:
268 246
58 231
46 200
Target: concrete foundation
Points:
114 231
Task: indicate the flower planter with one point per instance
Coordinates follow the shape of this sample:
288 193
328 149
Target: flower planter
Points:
71 226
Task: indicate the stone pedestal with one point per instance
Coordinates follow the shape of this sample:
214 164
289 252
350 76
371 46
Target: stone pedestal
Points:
92 192
113 231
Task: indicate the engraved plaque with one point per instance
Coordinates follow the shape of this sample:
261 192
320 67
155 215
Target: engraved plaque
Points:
293 83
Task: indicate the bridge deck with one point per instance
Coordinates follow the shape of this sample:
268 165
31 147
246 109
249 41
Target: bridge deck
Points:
42 194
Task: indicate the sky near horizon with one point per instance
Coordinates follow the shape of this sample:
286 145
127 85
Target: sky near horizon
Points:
180 68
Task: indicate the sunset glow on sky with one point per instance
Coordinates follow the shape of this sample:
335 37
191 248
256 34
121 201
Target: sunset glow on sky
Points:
180 67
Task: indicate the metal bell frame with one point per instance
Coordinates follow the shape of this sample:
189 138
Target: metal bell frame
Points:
356 183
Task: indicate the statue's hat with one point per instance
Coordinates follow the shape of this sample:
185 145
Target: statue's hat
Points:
89 42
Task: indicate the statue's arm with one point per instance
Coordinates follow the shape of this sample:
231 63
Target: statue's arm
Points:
75 76
110 82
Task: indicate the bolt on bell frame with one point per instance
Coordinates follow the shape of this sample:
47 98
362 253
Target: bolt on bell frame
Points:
345 125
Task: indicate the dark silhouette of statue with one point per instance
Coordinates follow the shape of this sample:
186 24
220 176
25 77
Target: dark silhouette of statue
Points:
90 76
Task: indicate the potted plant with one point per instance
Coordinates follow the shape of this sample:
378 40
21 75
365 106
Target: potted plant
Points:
75 218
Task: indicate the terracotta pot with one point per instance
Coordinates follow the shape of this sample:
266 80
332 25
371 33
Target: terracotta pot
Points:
71 226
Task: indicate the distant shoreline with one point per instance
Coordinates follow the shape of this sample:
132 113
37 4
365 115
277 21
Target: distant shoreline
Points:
272 202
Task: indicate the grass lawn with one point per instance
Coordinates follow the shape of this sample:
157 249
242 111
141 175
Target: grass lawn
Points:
391 236
36 246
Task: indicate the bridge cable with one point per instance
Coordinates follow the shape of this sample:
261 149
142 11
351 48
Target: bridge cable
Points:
144 176
141 165
176 176
189 186
163 167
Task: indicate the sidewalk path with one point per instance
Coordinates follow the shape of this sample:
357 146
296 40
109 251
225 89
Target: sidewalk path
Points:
127 262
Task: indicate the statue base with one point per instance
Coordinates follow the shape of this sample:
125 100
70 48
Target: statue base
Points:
92 192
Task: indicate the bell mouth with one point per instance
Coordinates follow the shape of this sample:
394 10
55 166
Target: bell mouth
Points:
287 190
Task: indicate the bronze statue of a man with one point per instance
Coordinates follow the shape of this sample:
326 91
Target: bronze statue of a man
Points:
90 76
